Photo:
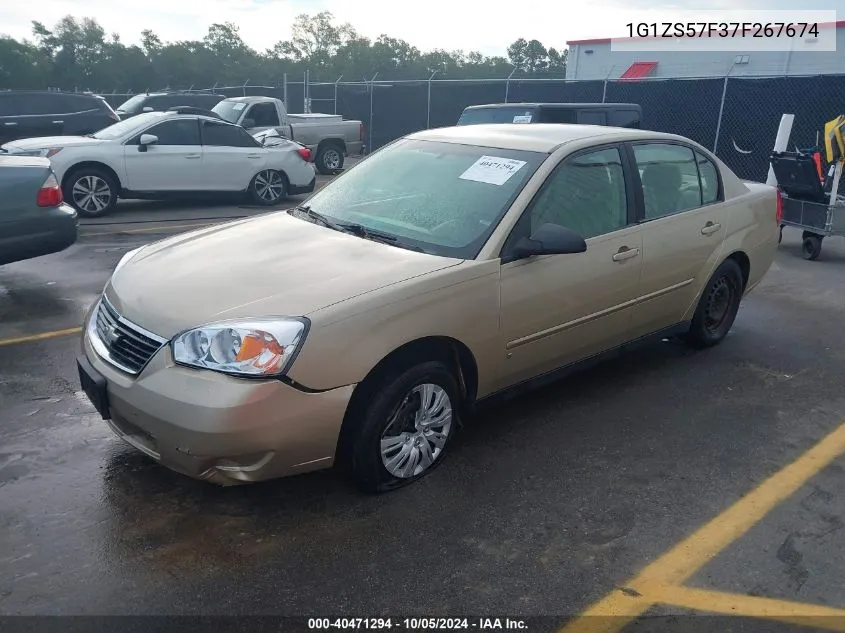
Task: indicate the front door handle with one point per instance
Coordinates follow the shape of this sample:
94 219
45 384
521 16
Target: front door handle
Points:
625 253
254 156
58 122
710 228
193 156
10 123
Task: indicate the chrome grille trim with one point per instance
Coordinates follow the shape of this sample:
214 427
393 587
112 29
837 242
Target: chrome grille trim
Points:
123 344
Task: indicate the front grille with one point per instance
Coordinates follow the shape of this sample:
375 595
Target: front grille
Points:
128 346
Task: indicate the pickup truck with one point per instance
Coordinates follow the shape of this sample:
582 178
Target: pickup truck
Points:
328 136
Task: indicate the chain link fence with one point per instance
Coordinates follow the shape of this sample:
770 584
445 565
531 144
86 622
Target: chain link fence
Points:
737 117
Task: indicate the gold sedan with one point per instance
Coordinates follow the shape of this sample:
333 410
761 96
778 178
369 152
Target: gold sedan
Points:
451 266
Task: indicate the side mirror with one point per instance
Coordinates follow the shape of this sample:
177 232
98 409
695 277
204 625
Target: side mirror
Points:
550 239
145 140
248 123
147 109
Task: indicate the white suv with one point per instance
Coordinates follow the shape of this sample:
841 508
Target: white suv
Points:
179 151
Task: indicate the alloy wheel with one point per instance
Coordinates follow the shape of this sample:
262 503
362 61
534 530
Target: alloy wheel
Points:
91 194
269 185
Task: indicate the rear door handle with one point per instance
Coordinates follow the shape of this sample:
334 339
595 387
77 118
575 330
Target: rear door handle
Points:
254 156
58 122
10 123
193 156
625 253
710 228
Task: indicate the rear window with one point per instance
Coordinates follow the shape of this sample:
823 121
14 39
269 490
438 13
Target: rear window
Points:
624 118
498 115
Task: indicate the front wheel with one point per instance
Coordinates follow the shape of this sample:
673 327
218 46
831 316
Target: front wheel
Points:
92 192
406 427
329 159
714 316
268 187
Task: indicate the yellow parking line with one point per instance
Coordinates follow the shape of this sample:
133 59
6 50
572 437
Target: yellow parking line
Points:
798 613
618 608
39 337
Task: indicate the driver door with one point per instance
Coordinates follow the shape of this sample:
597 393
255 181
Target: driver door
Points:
174 163
559 309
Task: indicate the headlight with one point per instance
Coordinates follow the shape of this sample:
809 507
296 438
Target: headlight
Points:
254 347
126 258
47 152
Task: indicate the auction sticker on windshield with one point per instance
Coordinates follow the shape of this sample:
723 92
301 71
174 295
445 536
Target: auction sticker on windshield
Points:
492 170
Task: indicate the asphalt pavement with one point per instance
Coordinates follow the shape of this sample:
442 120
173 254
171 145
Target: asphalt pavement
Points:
573 497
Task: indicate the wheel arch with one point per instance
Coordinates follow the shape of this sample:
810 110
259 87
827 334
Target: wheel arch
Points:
335 142
741 258
451 351
91 164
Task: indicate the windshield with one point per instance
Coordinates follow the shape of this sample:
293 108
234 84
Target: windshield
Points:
229 110
127 126
133 104
497 115
443 198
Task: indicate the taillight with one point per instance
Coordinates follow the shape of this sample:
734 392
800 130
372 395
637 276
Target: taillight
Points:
305 153
361 132
50 194
779 212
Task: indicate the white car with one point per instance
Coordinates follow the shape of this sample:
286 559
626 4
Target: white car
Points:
181 151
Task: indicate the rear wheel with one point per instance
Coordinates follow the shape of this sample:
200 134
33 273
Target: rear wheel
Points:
405 428
329 159
268 187
716 311
91 191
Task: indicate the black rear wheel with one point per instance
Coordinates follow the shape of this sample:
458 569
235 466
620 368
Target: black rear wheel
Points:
716 311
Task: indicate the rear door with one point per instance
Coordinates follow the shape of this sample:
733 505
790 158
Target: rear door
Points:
35 115
10 111
174 163
684 221
231 157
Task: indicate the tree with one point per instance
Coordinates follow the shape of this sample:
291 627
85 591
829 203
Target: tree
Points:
76 53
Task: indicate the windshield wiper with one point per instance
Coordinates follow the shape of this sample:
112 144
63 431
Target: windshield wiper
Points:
319 217
357 230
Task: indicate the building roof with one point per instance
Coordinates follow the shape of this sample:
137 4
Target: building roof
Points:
608 40
532 137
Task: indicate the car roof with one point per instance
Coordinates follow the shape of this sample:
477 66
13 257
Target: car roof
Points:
553 105
537 137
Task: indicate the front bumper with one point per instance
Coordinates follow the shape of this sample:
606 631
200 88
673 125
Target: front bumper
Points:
217 428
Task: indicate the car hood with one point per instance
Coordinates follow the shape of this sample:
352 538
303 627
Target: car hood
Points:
47 142
271 265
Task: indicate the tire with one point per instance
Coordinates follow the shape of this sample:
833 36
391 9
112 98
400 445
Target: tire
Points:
391 413
268 187
716 311
811 247
329 159
78 186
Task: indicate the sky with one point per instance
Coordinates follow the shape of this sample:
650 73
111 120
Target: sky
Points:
488 27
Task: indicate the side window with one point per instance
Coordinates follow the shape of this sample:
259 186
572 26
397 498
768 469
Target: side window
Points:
624 118
226 135
592 117
709 179
557 115
10 105
42 104
586 193
264 115
177 132
670 178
